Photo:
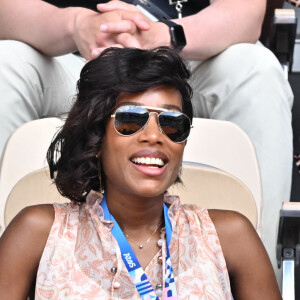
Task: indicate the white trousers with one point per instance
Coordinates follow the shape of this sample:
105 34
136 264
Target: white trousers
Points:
244 85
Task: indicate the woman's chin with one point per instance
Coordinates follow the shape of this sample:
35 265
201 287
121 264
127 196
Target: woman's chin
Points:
148 190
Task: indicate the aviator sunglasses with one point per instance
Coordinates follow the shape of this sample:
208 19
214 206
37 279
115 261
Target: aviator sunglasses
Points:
130 119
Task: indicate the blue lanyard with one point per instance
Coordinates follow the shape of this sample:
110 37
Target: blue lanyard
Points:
132 264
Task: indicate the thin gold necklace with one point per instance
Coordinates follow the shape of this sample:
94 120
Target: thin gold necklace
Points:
141 246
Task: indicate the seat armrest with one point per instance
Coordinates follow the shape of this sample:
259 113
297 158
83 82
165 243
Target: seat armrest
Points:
288 246
288 233
283 36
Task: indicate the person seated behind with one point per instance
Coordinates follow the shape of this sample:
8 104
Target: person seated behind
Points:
234 77
126 134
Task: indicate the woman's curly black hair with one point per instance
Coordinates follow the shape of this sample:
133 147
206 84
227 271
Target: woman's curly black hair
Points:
72 153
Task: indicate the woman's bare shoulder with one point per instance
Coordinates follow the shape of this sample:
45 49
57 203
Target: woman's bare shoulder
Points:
248 264
37 218
31 225
234 230
21 247
229 222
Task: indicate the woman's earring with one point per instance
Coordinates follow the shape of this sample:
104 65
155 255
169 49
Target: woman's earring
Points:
178 178
101 186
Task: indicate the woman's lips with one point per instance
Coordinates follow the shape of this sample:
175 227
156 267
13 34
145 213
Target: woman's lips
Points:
149 170
149 162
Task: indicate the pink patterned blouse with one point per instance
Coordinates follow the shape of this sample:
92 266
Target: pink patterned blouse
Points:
82 260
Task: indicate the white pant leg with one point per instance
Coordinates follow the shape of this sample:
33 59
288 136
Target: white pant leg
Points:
33 86
245 85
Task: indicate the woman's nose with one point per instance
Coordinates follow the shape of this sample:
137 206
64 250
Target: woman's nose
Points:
152 132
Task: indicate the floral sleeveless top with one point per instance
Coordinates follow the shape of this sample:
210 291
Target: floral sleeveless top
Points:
82 260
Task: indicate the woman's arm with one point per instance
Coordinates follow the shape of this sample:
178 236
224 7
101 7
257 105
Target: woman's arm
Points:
21 247
250 270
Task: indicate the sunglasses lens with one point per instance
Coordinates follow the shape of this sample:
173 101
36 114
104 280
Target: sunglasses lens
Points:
130 119
175 125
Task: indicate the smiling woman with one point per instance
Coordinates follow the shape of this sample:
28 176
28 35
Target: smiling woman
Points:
118 79
123 236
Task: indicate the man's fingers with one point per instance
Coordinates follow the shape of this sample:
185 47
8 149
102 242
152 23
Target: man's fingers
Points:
114 5
127 14
128 23
118 27
139 20
127 41
96 52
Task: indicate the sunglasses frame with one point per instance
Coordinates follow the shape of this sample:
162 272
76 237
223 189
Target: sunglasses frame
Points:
157 111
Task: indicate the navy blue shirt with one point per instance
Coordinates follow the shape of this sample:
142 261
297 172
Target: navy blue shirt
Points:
189 8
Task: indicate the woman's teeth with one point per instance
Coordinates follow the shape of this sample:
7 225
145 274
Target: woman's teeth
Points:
150 161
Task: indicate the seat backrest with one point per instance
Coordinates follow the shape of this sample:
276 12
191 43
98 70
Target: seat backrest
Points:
225 146
25 151
210 187
203 185
34 188
220 144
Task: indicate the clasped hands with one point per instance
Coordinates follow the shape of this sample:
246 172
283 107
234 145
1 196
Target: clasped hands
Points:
118 24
